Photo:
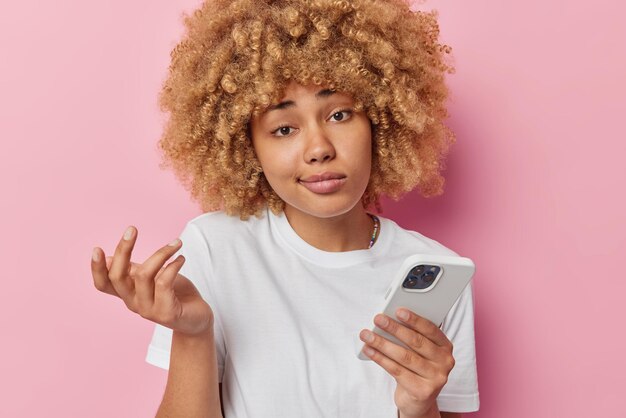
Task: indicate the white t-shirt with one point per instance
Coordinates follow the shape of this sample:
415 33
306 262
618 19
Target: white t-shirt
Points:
288 317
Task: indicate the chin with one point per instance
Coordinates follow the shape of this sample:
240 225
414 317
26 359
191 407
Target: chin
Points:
325 209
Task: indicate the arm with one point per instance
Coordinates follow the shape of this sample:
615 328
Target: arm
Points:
161 295
192 388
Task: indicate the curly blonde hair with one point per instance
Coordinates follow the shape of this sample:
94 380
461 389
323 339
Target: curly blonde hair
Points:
237 57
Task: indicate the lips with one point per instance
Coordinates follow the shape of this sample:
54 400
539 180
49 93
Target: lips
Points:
323 183
322 177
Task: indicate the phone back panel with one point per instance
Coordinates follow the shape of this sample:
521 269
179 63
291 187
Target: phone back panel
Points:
432 303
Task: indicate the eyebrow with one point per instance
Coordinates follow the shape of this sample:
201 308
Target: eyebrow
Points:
290 103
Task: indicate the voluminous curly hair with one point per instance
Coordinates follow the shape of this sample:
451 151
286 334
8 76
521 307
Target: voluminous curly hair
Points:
236 58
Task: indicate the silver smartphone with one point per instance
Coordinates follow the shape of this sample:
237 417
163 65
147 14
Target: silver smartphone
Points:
428 285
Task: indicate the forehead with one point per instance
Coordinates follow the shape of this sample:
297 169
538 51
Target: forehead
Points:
294 92
294 89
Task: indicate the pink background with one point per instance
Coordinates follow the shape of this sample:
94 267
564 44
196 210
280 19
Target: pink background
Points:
534 196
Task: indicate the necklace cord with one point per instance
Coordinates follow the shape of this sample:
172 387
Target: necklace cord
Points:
376 228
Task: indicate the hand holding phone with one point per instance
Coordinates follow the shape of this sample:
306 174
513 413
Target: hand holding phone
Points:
428 285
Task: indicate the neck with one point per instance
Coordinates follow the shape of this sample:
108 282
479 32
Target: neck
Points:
347 232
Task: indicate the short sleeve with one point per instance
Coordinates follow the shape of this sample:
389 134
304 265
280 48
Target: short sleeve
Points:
197 268
460 394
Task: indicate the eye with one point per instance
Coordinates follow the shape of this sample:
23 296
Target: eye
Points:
339 115
282 130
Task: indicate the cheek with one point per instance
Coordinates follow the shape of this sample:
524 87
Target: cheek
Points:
277 161
365 164
363 154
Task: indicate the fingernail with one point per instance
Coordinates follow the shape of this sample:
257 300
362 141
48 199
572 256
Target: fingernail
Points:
174 243
382 321
368 336
402 314
129 233
95 255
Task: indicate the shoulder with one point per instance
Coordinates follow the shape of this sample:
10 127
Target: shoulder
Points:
217 219
414 241
218 227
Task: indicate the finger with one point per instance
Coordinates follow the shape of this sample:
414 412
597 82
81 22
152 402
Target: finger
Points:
165 300
120 266
423 326
407 358
413 339
155 262
144 288
100 273
407 378
109 261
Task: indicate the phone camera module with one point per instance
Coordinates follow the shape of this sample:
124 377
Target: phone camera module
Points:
421 277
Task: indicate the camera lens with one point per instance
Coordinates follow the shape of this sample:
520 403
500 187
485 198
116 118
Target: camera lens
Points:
410 282
429 276
417 270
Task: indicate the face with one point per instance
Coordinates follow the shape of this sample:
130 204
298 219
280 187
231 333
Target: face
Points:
315 150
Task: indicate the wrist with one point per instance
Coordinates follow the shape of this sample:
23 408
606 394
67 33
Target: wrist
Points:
433 412
197 329
201 338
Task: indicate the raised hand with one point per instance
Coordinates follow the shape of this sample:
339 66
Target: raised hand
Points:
155 292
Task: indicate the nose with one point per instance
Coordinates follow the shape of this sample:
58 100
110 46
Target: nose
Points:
319 147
